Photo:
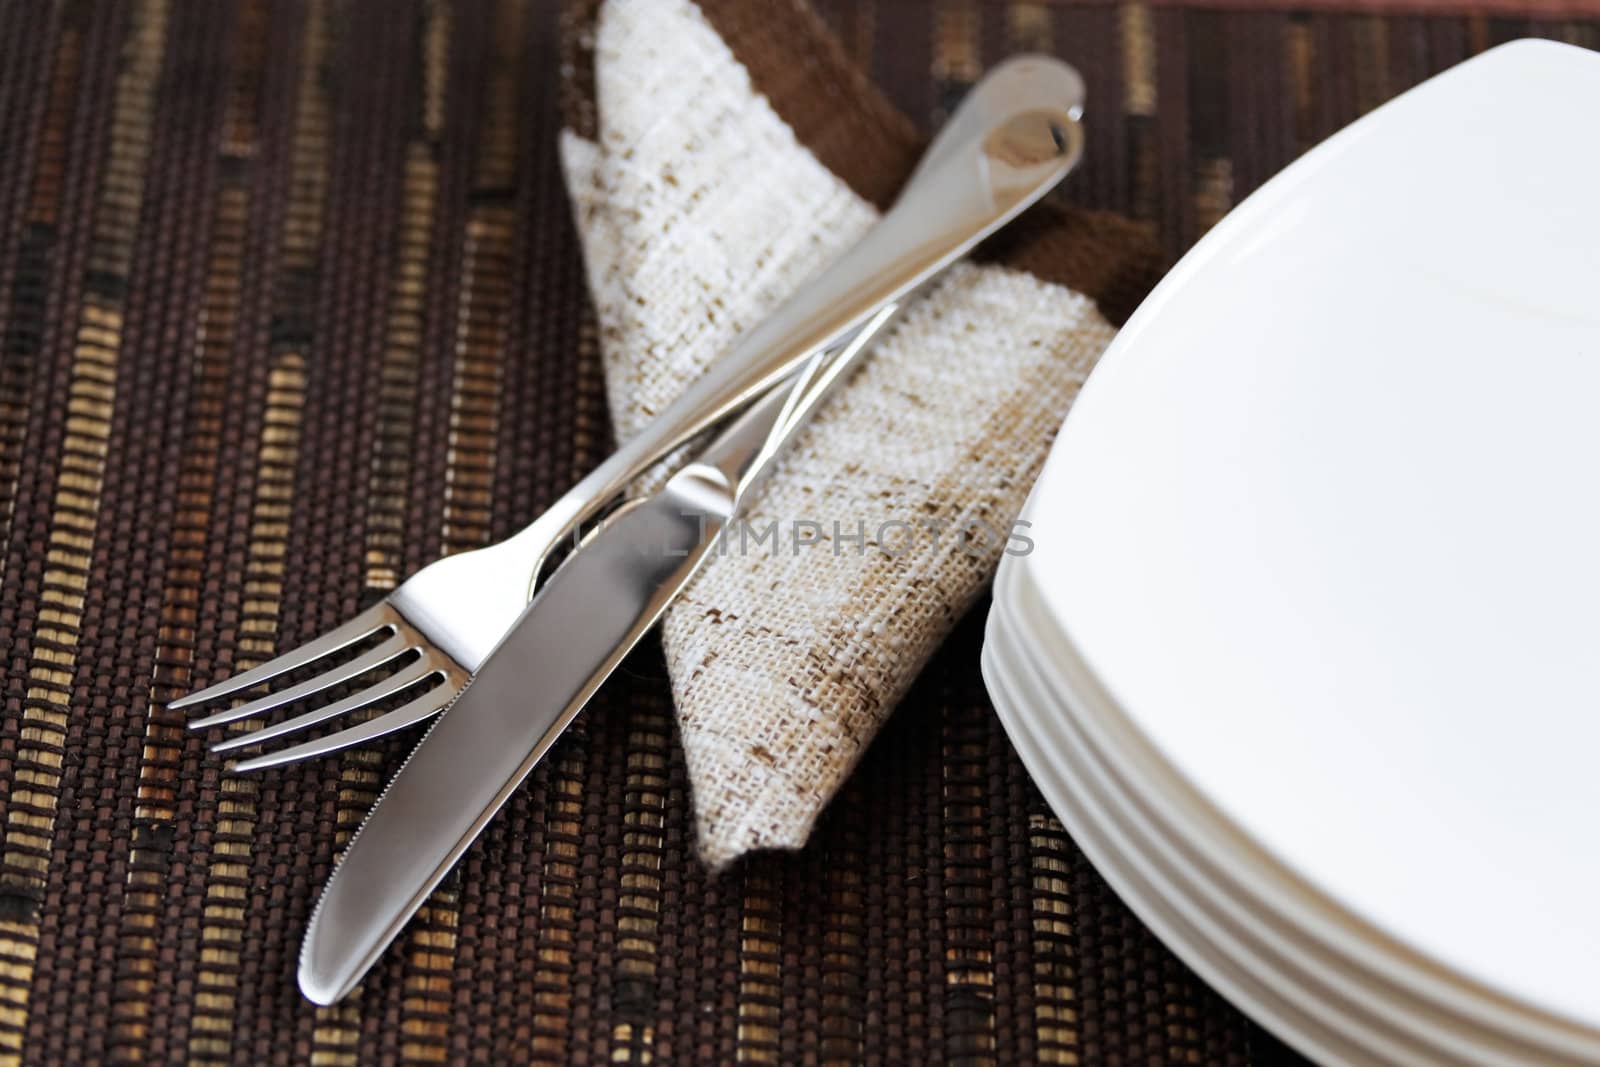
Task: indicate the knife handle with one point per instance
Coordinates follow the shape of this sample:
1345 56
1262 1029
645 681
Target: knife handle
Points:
1014 137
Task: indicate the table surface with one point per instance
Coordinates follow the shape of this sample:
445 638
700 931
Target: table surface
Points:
290 304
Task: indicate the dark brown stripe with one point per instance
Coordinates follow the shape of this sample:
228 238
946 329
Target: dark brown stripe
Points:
1173 139
638 947
25 272
1055 1012
483 321
577 66
228 883
969 994
211 347
561 840
484 304
1103 174
263 529
429 948
1140 159
760 1004
33 803
1029 28
209 358
842 1015
957 54
1213 171
389 483
543 924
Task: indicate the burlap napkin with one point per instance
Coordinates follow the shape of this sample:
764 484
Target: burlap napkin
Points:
716 155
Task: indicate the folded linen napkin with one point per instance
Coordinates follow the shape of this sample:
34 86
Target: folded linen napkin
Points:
716 155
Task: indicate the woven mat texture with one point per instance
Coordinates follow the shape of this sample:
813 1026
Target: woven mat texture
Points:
290 304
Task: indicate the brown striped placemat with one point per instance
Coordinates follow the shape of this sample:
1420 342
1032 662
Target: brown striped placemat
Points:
290 304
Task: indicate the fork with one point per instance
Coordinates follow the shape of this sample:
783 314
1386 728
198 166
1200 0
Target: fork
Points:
402 631
1006 145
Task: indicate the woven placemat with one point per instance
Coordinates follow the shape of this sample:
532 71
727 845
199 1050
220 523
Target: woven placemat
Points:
290 304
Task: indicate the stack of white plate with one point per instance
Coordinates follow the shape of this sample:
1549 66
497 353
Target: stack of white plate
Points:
1306 654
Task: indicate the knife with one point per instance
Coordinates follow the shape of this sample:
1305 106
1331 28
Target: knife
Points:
583 621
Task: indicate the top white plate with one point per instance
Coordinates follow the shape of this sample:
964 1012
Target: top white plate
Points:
1325 521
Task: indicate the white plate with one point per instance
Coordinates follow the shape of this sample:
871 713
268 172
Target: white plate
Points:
1323 523
1189 881
1197 881
1316 1026
1326 1036
1216 854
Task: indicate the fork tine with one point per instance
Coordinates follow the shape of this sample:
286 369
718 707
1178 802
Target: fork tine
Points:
363 625
387 687
429 703
377 657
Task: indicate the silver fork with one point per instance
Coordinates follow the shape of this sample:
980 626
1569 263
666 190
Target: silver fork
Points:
403 625
1015 135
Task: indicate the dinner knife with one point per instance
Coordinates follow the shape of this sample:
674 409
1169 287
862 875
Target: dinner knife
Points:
583 621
